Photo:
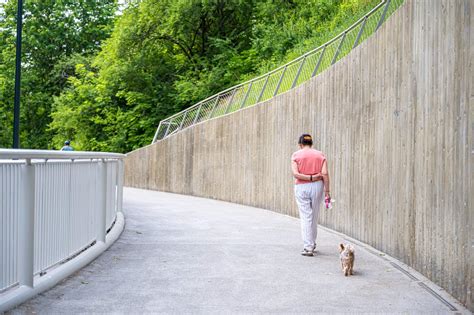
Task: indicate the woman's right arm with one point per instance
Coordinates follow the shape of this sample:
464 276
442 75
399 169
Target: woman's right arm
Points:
325 174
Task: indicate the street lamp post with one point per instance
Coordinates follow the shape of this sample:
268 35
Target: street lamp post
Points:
16 107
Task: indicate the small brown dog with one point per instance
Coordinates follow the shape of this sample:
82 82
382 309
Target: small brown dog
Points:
347 258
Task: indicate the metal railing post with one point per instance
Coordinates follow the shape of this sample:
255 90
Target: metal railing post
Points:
263 89
298 73
214 106
120 175
156 133
279 81
101 220
230 101
26 224
168 128
360 33
383 15
197 114
334 59
246 96
182 121
319 62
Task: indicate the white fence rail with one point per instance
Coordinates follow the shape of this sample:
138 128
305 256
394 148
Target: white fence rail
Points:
53 206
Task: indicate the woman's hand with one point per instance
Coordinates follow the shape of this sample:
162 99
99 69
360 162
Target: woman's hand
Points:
317 177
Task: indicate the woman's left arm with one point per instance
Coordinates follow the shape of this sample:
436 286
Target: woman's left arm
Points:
298 175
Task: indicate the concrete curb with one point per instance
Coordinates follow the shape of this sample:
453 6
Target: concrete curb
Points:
23 293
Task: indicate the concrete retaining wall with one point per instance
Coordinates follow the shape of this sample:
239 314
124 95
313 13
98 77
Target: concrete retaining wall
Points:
395 119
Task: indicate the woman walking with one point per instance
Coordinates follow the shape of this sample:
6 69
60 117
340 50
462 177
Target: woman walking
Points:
309 168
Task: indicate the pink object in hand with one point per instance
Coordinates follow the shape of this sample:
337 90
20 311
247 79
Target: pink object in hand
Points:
328 202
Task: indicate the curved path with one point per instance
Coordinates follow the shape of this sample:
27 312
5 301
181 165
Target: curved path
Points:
181 254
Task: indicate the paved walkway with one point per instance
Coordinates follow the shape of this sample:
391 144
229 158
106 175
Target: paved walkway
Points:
182 254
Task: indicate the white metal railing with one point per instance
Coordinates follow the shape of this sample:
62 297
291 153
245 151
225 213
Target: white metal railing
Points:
281 79
53 206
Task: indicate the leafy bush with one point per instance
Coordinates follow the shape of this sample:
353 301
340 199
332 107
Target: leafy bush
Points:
162 57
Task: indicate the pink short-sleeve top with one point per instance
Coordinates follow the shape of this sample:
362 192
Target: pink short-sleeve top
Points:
310 162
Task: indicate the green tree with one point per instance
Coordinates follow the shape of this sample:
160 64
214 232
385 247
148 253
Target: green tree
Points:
154 64
165 55
53 32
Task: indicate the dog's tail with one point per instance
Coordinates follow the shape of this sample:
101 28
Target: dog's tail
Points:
341 247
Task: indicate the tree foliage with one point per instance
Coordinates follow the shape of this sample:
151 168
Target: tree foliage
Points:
54 31
161 57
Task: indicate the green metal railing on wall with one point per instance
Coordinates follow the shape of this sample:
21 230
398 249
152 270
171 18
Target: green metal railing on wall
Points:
281 79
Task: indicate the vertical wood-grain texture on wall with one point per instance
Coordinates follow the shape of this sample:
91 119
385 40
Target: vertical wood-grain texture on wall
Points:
395 120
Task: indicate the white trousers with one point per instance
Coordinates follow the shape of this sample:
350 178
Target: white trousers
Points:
309 198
